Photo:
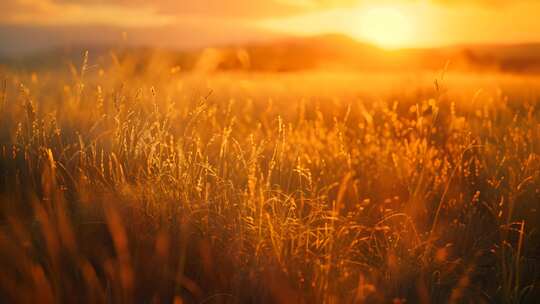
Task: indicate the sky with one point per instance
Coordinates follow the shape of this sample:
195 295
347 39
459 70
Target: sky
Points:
28 25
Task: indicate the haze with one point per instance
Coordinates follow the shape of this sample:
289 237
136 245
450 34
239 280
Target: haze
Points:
29 25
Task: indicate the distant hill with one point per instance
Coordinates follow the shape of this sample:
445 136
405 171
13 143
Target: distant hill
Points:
292 54
340 51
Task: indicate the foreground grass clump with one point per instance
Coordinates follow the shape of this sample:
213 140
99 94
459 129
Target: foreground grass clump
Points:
121 189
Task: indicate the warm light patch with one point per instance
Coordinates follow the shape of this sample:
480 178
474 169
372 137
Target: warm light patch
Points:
69 13
388 27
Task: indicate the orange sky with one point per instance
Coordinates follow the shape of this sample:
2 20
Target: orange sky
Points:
387 23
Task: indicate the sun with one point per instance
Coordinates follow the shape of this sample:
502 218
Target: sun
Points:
387 26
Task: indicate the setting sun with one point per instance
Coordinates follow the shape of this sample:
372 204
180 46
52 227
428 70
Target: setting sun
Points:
388 27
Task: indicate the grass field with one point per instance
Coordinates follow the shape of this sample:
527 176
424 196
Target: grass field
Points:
163 186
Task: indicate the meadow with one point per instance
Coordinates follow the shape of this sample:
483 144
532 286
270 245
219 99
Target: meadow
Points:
157 185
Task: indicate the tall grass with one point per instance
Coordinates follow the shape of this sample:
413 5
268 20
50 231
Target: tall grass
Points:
121 187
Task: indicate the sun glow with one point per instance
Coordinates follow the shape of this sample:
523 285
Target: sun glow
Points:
388 27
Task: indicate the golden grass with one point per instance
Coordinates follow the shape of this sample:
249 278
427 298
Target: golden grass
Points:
121 186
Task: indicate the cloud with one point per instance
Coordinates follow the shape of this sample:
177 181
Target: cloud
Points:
205 8
48 12
143 13
149 13
27 25
486 3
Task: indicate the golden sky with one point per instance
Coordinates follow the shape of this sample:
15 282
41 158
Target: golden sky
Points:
387 23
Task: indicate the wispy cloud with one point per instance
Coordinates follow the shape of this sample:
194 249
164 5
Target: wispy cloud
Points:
48 12
143 13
